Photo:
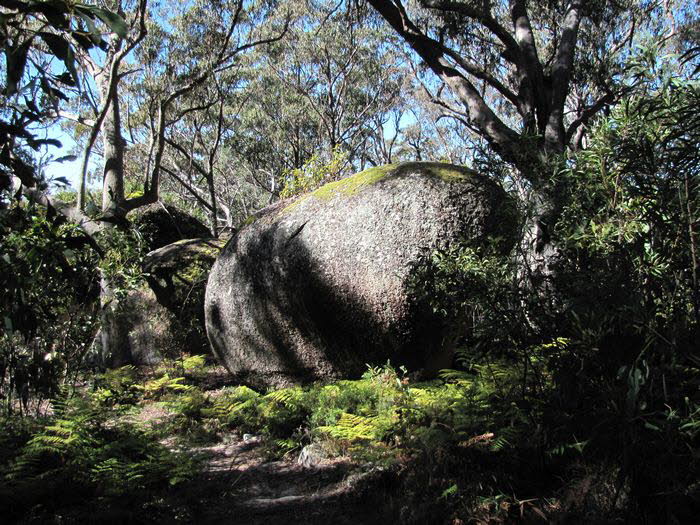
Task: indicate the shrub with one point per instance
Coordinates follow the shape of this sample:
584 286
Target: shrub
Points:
48 291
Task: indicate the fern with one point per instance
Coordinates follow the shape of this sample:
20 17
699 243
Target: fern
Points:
158 388
83 452
351 427
289 397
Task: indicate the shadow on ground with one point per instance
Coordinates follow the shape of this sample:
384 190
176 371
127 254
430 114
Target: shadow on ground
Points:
239 486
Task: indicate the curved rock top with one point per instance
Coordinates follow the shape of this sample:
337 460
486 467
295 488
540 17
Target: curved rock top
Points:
320 286
162 224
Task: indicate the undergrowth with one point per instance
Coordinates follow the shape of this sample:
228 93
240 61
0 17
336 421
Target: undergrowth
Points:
90 454
489 442
82 455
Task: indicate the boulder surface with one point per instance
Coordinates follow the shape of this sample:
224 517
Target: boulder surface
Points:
320 286
177 274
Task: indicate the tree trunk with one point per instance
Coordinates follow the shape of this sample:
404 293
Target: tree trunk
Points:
113 145
114 334
213 212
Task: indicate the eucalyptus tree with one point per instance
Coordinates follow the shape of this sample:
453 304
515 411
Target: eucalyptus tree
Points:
324 88
183 37
330 85
527 77
217 34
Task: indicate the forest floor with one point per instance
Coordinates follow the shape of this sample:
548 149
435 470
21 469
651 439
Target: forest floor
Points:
240 482
285 457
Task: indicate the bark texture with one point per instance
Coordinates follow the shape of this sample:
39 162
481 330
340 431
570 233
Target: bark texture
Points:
320 286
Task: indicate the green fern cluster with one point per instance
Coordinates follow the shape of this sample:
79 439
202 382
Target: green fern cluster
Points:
195 416
118 386
384 410
188 366
279 414
163 386
83 453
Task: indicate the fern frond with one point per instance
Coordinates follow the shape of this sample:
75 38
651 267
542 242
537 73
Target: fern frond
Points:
351 427
289 397
449 375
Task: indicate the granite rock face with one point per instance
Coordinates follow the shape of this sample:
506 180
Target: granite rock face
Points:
177 274
320 286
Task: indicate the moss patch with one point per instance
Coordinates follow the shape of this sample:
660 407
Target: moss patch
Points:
250 219
442 170
352 185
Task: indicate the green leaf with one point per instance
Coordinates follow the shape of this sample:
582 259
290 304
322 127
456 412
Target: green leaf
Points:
66 158
54 11
65 78
83 39
93 32
62 49
112 20
58 46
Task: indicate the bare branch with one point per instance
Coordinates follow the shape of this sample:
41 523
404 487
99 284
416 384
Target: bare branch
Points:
484 17
589 113
501 137
481 74
193 191
71 212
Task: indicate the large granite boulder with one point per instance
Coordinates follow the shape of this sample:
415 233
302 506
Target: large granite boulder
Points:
161 224
320 286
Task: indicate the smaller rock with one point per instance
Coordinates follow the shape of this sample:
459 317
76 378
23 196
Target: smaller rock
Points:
162 224
150 327
312 455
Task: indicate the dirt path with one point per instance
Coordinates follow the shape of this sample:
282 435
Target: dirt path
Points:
239 486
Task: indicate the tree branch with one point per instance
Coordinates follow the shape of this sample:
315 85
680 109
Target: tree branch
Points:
590 112
530 70
561 75
502 138
113 79
484 17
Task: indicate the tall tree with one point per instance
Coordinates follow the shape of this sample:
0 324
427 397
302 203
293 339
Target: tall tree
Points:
324 87
217 34
526 76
